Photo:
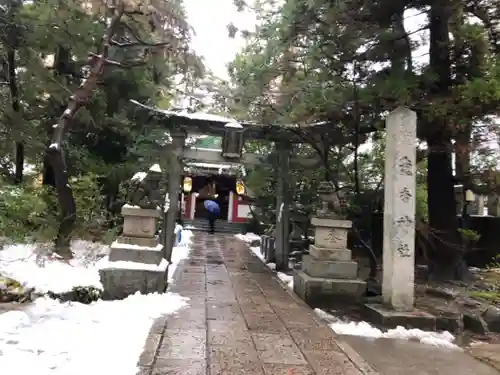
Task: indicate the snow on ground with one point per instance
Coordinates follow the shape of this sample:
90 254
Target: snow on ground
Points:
72 338
34 266
443 339
181 252
248 237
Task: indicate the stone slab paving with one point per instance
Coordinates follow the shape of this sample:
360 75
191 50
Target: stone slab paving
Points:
241 321
396 357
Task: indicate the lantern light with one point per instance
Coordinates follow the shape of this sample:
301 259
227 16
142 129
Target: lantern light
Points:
469 196
187 184
240 188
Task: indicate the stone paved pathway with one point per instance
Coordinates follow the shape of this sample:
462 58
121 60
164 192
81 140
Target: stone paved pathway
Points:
241 321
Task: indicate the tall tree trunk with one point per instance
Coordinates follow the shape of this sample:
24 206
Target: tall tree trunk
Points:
11 44
54 153
445 255
14 95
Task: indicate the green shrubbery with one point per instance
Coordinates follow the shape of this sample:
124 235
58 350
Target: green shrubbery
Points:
80 294
31 213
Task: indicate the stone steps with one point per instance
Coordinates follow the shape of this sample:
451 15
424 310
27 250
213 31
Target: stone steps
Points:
220 226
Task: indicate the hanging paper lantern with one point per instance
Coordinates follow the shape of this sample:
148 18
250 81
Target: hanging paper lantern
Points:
240 188
187 184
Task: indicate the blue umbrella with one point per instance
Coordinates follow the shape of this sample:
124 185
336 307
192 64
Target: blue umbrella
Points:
212 207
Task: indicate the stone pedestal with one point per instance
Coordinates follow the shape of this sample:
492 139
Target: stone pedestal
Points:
135 262
328 272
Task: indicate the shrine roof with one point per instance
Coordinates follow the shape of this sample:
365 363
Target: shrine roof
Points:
213 125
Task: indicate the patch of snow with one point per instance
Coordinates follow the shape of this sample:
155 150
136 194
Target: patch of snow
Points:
139 176
256 251
105 263
233 125
155 168
204 116
34 266
248 238
119 245
72 338
166 205
129 206
209 165
440 339
179 253
364 329
287 279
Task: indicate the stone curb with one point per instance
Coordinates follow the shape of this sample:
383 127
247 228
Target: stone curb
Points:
353 356
350 353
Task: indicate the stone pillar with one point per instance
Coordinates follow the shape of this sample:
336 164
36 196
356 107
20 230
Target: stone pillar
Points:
399 210
135 262
479 204
398 288
493 205
282 206
459 198
174 190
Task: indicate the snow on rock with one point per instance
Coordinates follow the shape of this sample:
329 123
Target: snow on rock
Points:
119 245
256 251
155 168
72 338
247 238
34 266
139 176
126 205
105 263
287 279
440 339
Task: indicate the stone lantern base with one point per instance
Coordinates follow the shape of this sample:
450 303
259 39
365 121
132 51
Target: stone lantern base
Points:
135 262
328 273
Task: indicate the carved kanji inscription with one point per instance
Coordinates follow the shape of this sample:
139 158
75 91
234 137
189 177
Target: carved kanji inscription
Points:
405 166
405 194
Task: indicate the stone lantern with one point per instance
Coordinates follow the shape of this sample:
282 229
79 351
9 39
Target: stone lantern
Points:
232 143
328 273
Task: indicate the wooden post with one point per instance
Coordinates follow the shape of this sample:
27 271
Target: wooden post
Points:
282 206
174 189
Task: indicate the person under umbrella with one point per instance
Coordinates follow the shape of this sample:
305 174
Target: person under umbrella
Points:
213 210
